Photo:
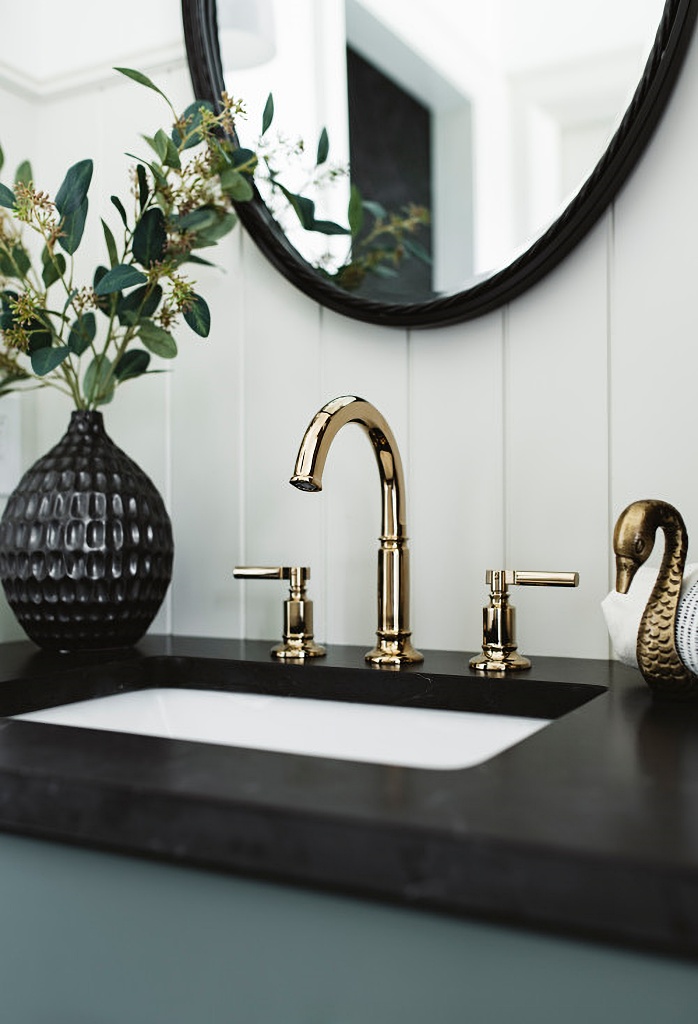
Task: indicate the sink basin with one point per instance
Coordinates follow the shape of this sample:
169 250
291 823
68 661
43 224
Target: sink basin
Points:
411 737
439 717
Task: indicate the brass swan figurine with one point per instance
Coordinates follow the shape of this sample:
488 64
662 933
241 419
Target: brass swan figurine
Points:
633 539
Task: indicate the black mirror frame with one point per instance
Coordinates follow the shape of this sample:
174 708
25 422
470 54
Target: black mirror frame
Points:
649 100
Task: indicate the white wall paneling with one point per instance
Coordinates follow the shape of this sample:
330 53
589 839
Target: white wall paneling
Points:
280 386
206 457
523 434
456 476
16 136
556 450
654 320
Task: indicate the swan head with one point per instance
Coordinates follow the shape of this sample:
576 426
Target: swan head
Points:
633 540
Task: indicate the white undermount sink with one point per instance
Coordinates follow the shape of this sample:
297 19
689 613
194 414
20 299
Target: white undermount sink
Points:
411 737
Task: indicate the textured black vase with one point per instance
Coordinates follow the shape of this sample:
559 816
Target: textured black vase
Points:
85 544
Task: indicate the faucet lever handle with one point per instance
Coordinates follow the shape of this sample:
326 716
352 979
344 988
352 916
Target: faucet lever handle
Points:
298 642
499 652
297 573
515 577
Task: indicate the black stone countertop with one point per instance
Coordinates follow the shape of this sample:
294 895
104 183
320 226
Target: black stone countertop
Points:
589 827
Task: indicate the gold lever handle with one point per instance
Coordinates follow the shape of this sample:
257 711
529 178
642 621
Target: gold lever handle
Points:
298 642
300 573
515 577
499 652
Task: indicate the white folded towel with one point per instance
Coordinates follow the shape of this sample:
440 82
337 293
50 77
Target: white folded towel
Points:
623 613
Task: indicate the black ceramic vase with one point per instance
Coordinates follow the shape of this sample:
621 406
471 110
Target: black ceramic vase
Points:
85 544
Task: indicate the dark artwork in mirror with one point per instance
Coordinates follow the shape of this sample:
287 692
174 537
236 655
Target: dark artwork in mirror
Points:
389 160
443 296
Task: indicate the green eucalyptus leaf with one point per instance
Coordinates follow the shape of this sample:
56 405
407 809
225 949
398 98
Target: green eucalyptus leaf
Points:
141 302
197 259
72 228
21 260
97 383
236 185
143 190
46 359
155 170
123 275
7 197
7 315
53 267
24 173
74 292
239 157
375 209
110 243
7 267
199 219
151 142
355 212
191 118
52 272
39 336
329 227
158 143
120 207
268 115
82 333
224 223
142 79
198 316
97 276
304 207
73 191
171 157
165 148
323 147
132 364
2 158
157 340
416 249
159 176
149 238
104 304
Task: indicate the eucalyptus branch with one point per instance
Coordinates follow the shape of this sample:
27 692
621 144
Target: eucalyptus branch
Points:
183 200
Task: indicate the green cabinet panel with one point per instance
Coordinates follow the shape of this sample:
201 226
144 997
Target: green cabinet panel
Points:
95 938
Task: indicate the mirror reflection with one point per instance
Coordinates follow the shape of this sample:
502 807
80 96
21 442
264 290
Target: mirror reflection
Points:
488 116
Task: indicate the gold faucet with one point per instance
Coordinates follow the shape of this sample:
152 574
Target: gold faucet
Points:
394 647
499 652
298 642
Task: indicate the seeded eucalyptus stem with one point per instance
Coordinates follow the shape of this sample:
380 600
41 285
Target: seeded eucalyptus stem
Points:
107 329
182 200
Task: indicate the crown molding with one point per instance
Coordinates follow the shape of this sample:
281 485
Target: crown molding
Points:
55 87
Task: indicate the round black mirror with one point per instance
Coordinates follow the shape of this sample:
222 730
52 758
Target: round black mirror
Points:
478 289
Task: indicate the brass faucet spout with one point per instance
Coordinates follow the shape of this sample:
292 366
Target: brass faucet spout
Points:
394 646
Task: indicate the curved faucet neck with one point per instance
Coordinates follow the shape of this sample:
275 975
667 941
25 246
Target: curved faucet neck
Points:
318 439
394 646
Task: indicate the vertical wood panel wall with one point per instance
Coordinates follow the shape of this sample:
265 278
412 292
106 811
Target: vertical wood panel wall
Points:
523 433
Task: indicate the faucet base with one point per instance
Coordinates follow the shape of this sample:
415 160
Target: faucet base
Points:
297 649
394 652
499 660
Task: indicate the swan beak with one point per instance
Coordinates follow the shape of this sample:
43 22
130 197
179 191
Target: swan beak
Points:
625 570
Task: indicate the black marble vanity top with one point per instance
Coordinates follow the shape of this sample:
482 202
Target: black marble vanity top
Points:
589 827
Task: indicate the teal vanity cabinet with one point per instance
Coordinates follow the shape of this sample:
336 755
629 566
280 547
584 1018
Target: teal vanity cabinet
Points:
101 938
148 880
